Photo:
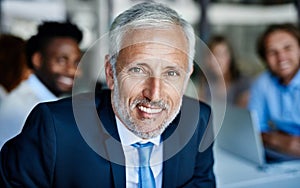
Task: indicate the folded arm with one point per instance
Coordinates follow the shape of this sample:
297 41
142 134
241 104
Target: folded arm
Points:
282 142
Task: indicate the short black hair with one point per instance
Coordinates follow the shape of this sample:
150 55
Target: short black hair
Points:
46 32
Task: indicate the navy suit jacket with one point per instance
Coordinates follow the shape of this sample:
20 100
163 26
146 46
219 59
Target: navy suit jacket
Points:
64 144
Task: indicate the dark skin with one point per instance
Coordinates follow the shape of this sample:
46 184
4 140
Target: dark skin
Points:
57 66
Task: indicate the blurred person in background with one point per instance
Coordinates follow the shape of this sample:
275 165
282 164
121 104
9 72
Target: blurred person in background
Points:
53 55
275 95
13 67
221 68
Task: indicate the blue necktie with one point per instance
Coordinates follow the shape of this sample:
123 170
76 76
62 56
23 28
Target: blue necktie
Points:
146 178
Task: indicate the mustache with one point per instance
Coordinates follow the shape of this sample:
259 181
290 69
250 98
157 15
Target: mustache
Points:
158 104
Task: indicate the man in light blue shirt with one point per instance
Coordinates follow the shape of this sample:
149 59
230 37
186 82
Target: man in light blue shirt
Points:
275 95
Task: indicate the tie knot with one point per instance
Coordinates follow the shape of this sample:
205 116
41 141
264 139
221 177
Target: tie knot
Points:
140 145
144 151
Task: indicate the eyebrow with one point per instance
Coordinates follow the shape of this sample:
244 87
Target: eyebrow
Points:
176 67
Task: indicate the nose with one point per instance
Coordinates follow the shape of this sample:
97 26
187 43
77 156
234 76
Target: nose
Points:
153 89
281 55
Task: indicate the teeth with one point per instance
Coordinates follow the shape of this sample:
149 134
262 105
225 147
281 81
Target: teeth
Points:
284 65
66 80
150 110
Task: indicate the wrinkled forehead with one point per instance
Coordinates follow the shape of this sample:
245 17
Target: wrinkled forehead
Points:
171 36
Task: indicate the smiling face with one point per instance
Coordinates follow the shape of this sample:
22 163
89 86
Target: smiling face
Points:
57 66
282 55
151 75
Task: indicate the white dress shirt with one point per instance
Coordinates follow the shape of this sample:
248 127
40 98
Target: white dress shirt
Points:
131 156
18 104
3 93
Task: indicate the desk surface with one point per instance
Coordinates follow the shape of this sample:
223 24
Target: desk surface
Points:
234 172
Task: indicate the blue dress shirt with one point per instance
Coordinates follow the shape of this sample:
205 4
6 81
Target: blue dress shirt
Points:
277 106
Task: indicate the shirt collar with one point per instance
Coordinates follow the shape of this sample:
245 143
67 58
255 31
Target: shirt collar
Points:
3 92
42 91
128 138
295 82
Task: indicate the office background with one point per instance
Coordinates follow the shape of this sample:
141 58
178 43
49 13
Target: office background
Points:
241 21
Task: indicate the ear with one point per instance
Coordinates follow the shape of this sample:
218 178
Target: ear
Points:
191 71
188 79
37 60
109 73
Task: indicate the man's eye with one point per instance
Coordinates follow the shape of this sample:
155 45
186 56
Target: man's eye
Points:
61 60
288 48
173 73
271 53
135 70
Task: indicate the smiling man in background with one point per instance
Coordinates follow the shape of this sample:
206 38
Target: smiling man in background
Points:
275 95
53 54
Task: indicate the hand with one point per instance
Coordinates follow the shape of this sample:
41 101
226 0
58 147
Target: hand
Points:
282 142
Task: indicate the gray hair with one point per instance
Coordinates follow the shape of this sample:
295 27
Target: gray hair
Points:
145 15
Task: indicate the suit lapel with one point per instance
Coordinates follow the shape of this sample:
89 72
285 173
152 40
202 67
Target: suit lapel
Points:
170 164
113 144
117 161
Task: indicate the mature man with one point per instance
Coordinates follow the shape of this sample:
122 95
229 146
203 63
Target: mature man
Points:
53 55
275 95
140 133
